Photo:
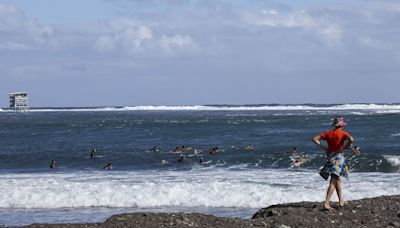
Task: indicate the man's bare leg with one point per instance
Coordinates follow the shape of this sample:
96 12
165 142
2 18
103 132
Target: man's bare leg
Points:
329 192
338 187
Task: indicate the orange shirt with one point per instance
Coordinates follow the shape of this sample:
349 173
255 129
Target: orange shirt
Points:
335 139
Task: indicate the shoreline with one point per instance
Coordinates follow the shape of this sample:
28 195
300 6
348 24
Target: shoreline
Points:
382 211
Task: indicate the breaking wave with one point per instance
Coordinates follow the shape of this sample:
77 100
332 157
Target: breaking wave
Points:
381 108
195 188
393 160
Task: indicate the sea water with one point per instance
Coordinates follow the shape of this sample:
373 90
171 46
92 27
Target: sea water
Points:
234 182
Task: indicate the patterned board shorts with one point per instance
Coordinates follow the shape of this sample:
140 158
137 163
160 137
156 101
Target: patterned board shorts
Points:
335 164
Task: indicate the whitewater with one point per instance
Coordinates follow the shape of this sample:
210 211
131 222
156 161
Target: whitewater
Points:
200 187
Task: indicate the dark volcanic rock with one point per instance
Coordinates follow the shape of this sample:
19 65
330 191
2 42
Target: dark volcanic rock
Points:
374 212
173 220
156 220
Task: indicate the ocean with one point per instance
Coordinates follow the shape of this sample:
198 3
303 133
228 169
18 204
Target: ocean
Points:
233 182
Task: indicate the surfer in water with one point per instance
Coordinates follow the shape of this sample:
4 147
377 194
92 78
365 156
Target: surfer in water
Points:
93 152
182 149
182 158
250 147
108 166
154 149
213 150
298 161
338 141
53 164
294 151
163 162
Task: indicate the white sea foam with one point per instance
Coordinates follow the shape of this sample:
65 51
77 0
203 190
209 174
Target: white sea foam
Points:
270 107
395 135
358 113
393 160
197 188
379 108
388 111
366 107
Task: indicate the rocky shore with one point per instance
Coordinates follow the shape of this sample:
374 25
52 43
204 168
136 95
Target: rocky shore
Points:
381 211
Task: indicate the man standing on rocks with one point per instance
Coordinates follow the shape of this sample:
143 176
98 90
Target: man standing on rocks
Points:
338 140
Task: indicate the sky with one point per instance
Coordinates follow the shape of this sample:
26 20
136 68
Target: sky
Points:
192 52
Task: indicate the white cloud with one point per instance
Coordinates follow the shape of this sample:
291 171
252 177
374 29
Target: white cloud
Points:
16 28
135 36
130 39
332 34
329 31
175 43
128 36
269 11
273 18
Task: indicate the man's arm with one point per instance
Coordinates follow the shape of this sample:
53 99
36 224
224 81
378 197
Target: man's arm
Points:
349 142
317 141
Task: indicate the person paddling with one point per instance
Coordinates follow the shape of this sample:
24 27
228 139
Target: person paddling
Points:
108 166
53 164
93 152
338 140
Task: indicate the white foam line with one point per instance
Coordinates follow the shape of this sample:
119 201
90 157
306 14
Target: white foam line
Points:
383 108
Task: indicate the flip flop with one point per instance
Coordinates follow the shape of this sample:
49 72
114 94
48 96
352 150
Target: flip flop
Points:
326 208
344 204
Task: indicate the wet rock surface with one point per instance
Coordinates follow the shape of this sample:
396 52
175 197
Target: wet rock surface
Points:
373 212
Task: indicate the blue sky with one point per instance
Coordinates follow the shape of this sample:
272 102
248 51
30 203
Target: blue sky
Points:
182 52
